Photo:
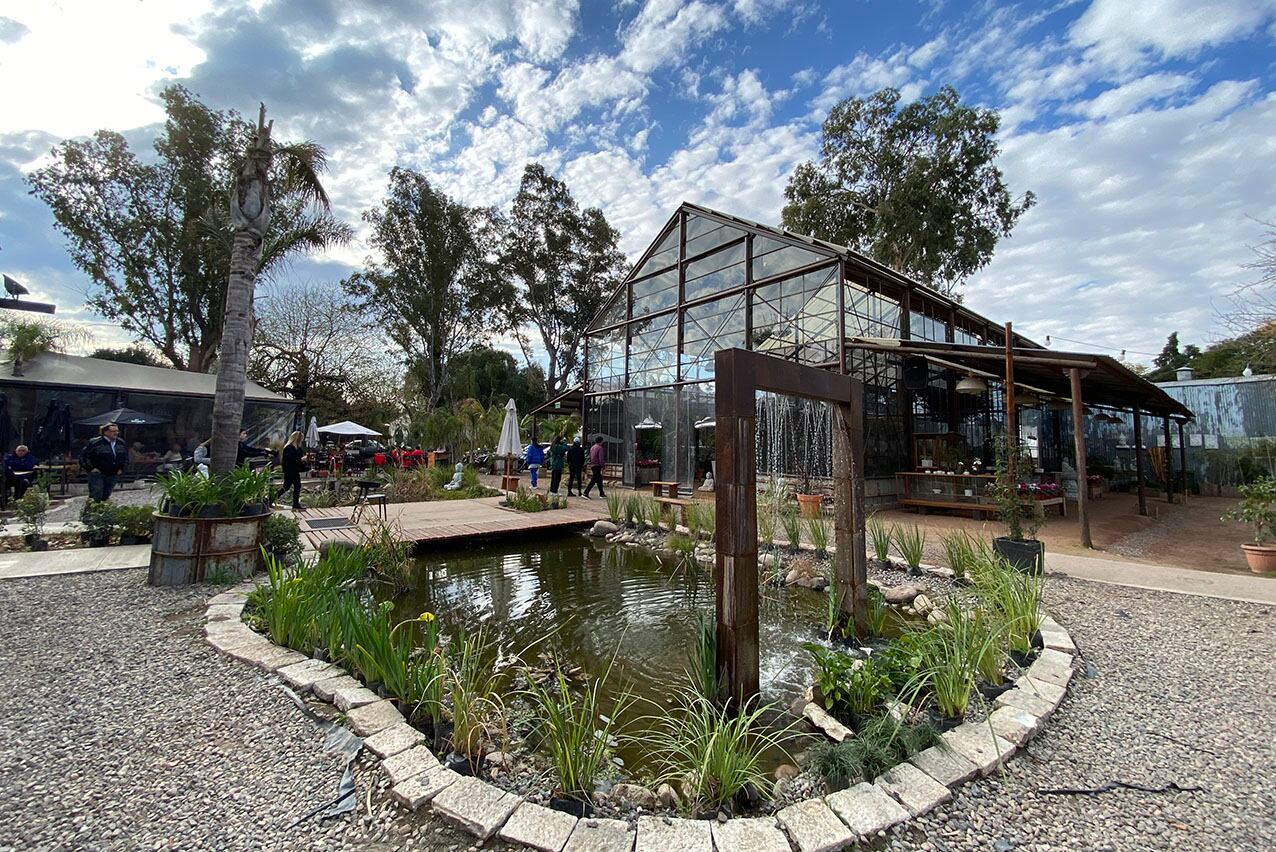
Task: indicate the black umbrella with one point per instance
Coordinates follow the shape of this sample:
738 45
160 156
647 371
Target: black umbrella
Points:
124 417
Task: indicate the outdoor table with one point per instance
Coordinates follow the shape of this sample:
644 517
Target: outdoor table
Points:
661 488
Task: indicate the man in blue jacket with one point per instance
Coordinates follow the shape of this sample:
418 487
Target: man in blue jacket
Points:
19 470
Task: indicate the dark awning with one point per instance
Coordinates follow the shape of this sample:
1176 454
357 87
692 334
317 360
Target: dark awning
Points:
1106 381
568 402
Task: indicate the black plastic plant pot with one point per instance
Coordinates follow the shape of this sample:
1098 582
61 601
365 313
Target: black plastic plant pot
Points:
214 510
125 538
1022 659
459 763
576 807
991 691
99 540
1026 556
1037 641
943 723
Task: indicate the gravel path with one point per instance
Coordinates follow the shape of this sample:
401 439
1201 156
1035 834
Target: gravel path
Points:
1193 669
121 728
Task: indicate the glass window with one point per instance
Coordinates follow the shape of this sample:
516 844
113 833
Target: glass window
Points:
704 234
870 314
655 293
665 254
607 360
772 257
719 271
613 312
706 329
653 351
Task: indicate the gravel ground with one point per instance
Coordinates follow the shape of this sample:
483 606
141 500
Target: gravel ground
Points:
120 728
1182 689
123 729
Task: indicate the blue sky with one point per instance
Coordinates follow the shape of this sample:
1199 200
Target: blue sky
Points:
1147 130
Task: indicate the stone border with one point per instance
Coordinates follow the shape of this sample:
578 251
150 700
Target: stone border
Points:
824 824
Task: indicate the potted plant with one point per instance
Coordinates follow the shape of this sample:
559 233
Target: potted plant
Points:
1258 508
32 509
209 525
808 503
135 524
99 519
1019 546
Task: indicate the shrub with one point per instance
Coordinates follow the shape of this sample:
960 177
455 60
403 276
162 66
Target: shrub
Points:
714 752
524 501
879 744
99 518
32 510
1257 508
283 537
852 688
136 521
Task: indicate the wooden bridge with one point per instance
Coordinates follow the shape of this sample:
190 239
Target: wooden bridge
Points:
442 521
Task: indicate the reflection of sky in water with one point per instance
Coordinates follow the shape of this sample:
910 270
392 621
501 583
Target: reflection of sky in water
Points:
595 599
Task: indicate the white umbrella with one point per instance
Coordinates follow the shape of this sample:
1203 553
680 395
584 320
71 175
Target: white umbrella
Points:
312 433
349 429
511 444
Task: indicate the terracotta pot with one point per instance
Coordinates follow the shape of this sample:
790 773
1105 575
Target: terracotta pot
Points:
1261 557
809 505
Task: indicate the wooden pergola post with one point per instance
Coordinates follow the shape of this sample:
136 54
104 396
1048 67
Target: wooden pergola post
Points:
1183 459
1138 461
848 521
1078 438
1169 464
1012 420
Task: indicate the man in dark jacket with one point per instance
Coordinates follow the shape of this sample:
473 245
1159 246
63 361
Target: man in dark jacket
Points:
104 457
575 466
557 458
19 470
597 461
247 451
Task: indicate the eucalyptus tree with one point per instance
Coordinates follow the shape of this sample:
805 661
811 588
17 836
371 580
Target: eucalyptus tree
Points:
915 187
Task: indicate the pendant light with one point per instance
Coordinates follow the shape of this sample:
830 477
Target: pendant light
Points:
972 384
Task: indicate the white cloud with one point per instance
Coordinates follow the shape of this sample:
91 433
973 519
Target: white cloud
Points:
1120 100
1122 32
546 26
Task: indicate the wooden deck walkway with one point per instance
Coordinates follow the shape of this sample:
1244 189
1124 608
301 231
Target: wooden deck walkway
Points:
440 521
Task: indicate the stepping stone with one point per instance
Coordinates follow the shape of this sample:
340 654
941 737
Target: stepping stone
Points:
251 652
393 740
1044 690
350 697
820 718
600 835
371 718
474 805
324 689
814 827
666 834
301 676
1026 701
224 612
538 827
406 764
914 789
749 835
979 745
423 787
866 809
944 765
1014 725
285 657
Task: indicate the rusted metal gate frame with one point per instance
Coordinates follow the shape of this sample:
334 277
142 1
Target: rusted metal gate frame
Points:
739 374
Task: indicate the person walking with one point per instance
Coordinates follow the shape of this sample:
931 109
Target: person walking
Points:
104 457
291 464
535 458
575 467
597 459
19 471
557 457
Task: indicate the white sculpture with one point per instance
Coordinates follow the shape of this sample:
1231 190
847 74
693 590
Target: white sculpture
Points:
707 485
455 484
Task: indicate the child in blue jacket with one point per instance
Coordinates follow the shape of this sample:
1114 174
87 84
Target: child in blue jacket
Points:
535 458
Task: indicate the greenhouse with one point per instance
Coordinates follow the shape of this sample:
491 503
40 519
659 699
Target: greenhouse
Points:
933 370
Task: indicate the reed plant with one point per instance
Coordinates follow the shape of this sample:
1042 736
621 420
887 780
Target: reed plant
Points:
817 529
576 727
389 555
474 690
695 514
633 510
703 669
911 542
792 525
1016 598
654 512
615 507
877 611
880 535
714 752
766 527
952 651
991 660
960 552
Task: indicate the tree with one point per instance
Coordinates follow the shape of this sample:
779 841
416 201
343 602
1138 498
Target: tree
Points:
470 414
25 339
1254 302
1254 349
1171 359
312 345
133 354
566 263
914 187
435 285
492 376
154 237
294 170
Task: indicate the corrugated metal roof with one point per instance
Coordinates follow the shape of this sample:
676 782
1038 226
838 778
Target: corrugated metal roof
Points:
74 370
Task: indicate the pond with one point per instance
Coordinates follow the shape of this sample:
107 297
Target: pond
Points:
594 599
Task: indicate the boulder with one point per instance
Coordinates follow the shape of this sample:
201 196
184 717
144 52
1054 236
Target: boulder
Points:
668 797
820 718
602 528
785 772
628 796
816 583
923 605
936 616
900 595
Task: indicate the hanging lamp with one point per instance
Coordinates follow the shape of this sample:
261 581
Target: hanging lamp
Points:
972 384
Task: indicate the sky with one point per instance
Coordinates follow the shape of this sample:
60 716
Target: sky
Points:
1146 130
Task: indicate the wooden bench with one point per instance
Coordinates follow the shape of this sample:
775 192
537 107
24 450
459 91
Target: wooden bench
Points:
613 472
661 488
1039 506
977 510
666 509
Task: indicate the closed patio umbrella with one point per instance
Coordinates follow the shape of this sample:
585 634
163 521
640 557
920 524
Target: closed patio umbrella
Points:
511 443
312 433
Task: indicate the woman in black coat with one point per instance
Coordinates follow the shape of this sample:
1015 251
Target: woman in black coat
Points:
291 464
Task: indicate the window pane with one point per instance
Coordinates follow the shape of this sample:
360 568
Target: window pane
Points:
607 360
612 313
653 351
655 293
666 254
704 234
706 329
719 271
771 257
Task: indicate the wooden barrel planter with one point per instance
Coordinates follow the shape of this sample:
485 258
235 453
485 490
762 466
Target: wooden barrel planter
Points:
185 550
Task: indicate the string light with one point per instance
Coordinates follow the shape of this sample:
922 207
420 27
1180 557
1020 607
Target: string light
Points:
1100 346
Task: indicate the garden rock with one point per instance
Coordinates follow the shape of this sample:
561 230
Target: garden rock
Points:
663 834
337 546
914 789
820 718
538 827
600 835
900 595
668 797
410 763
629 796
394 739
786 772
1034 704
813 827
944 765
602 528
867 809
923 605
475 806
421 788
749 835
1014 725
980 746
372 718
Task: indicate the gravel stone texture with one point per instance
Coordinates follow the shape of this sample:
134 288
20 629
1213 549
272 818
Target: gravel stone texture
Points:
121 728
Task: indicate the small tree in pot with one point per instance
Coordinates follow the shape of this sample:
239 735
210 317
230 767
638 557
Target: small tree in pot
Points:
1258 508
32 509
1019 546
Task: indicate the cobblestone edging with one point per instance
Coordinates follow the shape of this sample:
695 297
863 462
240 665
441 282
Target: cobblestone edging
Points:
832 822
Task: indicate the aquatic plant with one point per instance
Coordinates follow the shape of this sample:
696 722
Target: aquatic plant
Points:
653 512
1014 595
880 535
911 542
991 658
615 507
766 528
474 690
792 525
576 727
714 752
633 510
852 688
951 652
960 552
388 554
703 670
877 611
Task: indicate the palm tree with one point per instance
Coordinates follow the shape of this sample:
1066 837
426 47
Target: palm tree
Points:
26 339
290 167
